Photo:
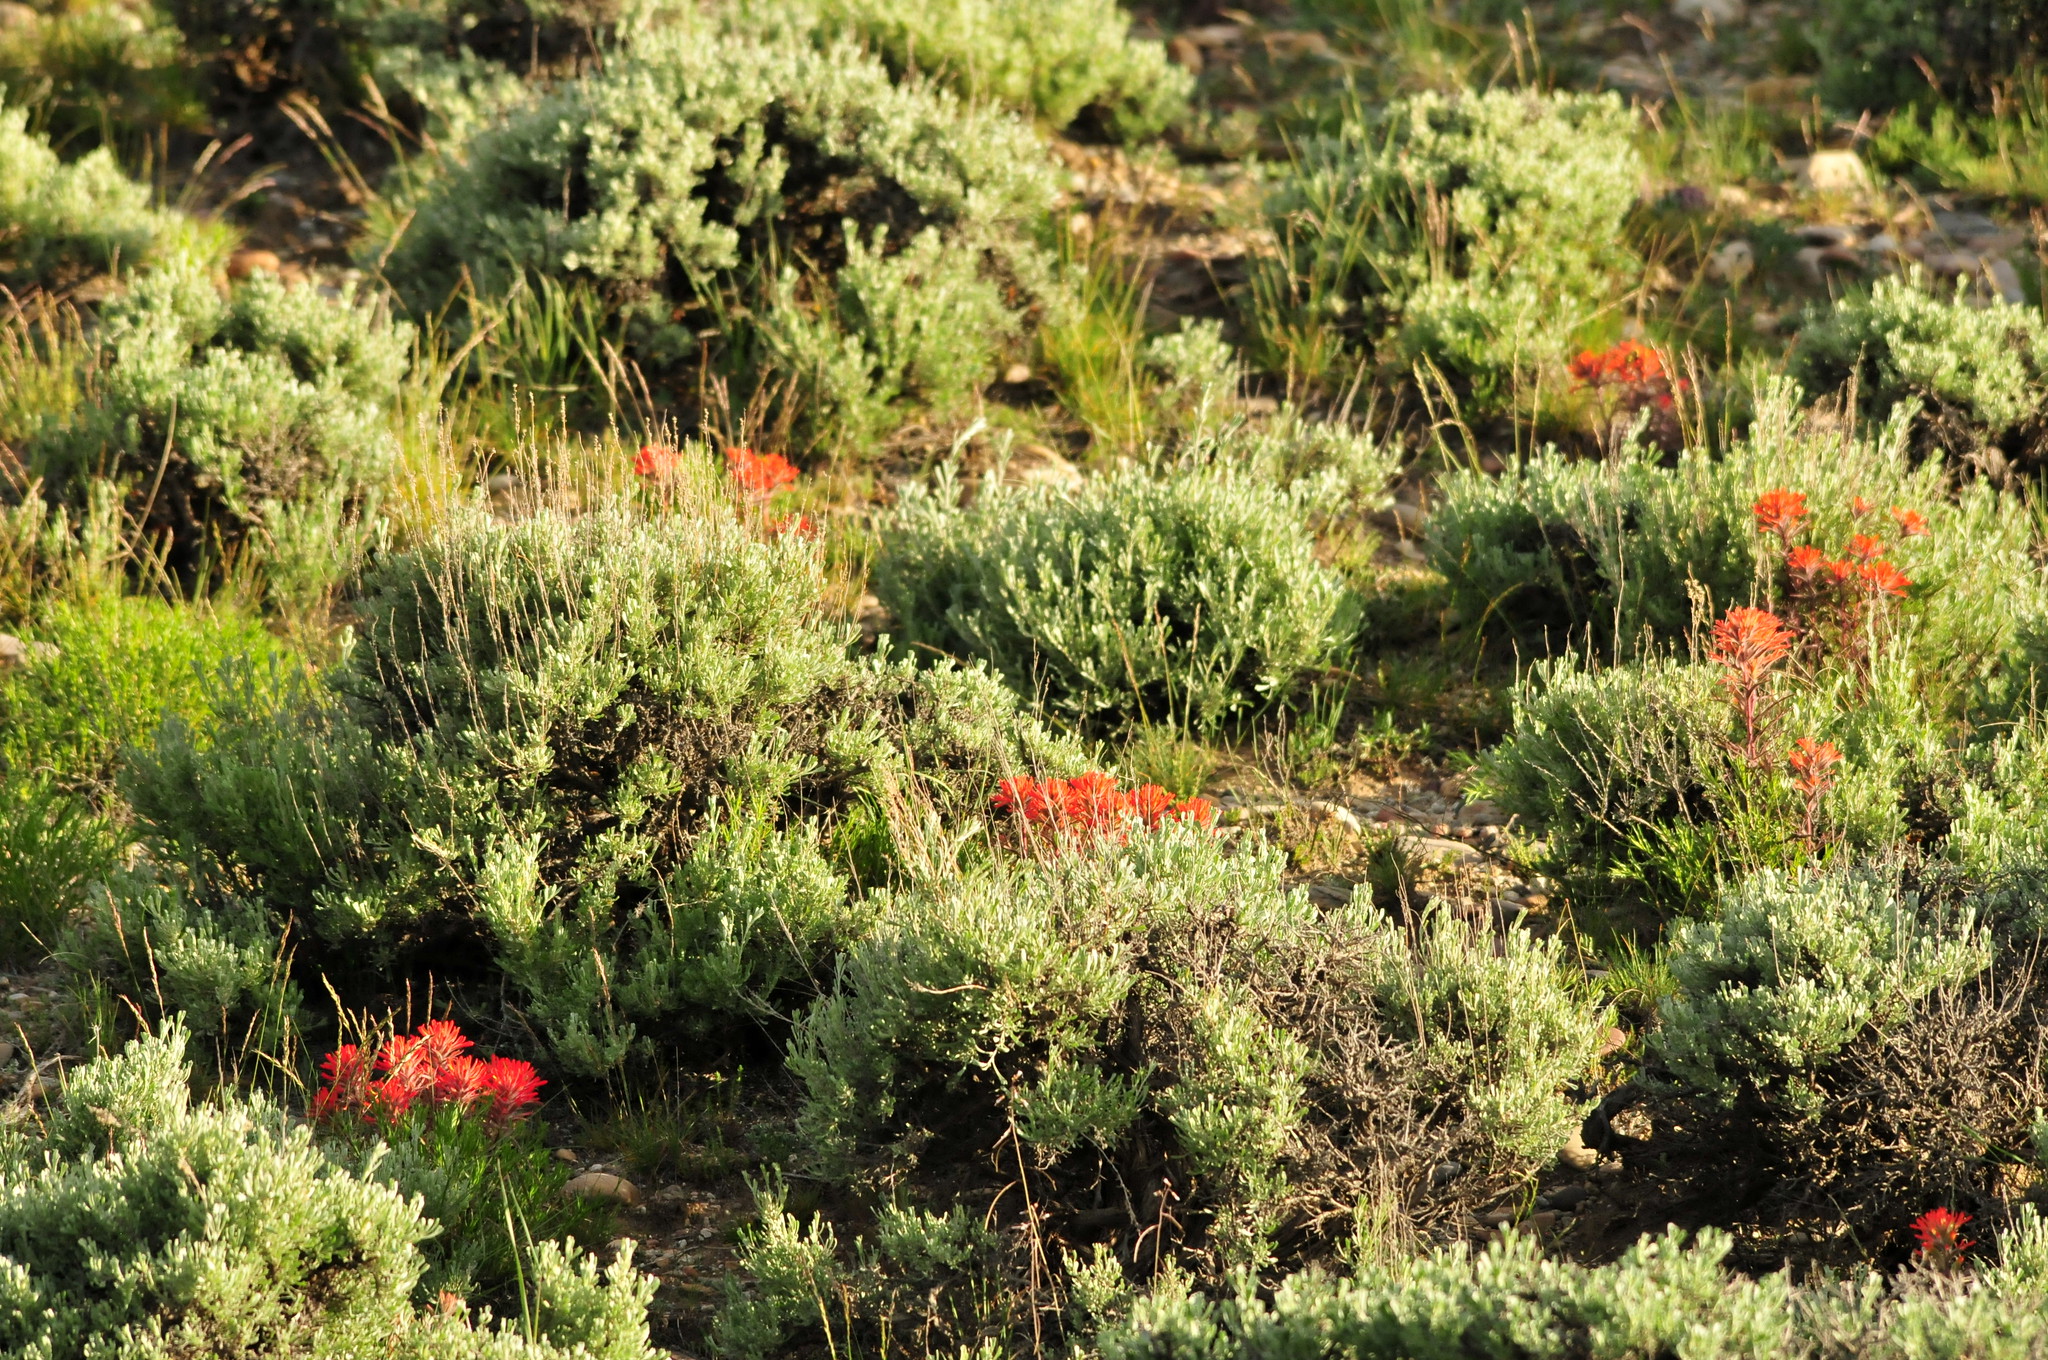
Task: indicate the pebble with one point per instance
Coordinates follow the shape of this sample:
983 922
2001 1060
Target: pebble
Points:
1733 262
1336 892
2006 280
13 651
1336 812
1436 849
1185 54
243 263
603 1185
1834 172
1713 13
1567 1197
1952 262
1443 1173
1483 814
566 1155
1613 1041
1017 373
1575 1154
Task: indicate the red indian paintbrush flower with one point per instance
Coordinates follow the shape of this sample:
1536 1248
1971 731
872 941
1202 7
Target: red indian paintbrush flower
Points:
759 475
1911 523
1813 767
1940 1233
429 1067
1882 578
1866 548
1806 563
1779 512
1749 642
1093 803
654 461
511 1087
1860 507
1813 762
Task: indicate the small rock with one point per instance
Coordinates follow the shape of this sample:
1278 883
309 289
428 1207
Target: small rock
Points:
1496 1218
2006 280
1035 464
603 1185
1215 35
13 651
1575 1154
669 1195
1017 373
1409 516
1535 901
566 1155
1566 1197
1333 892
1261 406
1336 812
1828 234
1884 243
1443 1173
1186 53
6 1053
1733 197
243 263
1542 1221
1437 849
621 1247
1733 262
1710 13
1964 226
1945 262
1613 1041
1451 786
1483 814
1835 172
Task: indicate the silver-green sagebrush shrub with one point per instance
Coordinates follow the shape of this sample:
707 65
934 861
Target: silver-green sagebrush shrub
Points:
241 412
1619 546
623 755
1662 1297
1795 967
1980 372
863 239
1190 596
1472 231
140 1223
1104 997
62 224
933 1276
1054 59
1637 778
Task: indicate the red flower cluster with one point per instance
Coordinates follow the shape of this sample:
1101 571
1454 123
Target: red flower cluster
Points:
1633 368
1813 774
759 475
1627 362
1940 1232
430 1068
1780 512
1813 572
1092 802
1813 763
654 461
1747 644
